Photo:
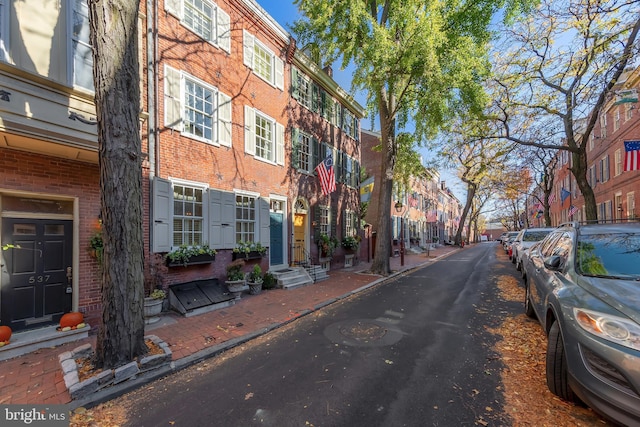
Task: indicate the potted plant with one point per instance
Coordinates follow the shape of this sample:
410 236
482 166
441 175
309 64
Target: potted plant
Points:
153 305
254 280
190 255
235 277
269 281
327 244
351 242
249 250
96 247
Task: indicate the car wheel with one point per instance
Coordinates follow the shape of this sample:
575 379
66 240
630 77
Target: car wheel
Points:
518 266
513 259
557 371
528 307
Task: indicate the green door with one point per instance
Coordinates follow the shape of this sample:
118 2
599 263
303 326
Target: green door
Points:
36 272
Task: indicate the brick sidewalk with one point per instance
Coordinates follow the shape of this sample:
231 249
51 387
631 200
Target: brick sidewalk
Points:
36 378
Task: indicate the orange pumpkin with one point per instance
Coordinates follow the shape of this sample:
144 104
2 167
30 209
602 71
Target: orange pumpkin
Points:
71 319
5 333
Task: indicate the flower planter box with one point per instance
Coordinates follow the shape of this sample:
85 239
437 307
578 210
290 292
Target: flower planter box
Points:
194 260
247 255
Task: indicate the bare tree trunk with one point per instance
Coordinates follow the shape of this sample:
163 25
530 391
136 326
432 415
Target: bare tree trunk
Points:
114 35
579 171
380 263
471 193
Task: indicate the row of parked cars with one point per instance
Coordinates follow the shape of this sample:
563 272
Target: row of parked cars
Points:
582 282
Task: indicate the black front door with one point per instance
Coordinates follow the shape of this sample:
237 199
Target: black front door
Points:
36 272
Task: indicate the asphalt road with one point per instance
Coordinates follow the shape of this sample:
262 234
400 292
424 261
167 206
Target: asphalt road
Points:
411 352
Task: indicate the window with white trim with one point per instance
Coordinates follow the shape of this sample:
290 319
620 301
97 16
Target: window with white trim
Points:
245 218
325 227
618 162
264 137
628 111
264 63
616 119
604 169
188 215
199 114
303 152
350 223
81 58
304 90
4 31
205 19
631 205
603 125
196 109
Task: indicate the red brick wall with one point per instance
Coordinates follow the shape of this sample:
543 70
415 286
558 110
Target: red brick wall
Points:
22 171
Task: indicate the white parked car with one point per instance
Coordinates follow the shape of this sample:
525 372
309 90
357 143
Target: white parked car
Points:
525 239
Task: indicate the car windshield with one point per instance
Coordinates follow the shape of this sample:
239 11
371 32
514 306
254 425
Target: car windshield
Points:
534 236
615 255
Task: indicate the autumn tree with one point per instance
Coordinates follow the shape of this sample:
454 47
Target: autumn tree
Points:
418 61
555 73
114 36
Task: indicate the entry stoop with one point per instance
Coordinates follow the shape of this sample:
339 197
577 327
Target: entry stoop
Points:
292 277
317 273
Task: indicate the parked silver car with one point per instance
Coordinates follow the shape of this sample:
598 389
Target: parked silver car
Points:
524 240
583 284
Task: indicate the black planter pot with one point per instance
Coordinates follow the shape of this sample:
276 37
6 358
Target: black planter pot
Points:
194 260
248 255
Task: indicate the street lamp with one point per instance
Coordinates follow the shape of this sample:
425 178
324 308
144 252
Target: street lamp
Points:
399 207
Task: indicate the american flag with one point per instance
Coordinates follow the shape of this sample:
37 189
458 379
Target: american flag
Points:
572 210
631 155
326 175
552 198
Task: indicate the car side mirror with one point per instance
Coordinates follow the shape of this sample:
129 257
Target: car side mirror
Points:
553 262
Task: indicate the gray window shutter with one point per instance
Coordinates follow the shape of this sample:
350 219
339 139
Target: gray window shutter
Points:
162 202
295 87
224 30
279 72
222 226
315 148
295 148
172 99
316 223
265 222
224 119
247 43
279 144
249 133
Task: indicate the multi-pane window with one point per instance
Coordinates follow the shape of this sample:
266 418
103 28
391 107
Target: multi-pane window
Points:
628 111
195 108
616 119
304 91
305 155
604 169
264 137
81 46
618 162
350 223
262 62
324 220
198 16
205 19
245 218
631 205
187 215
603 125
199 110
